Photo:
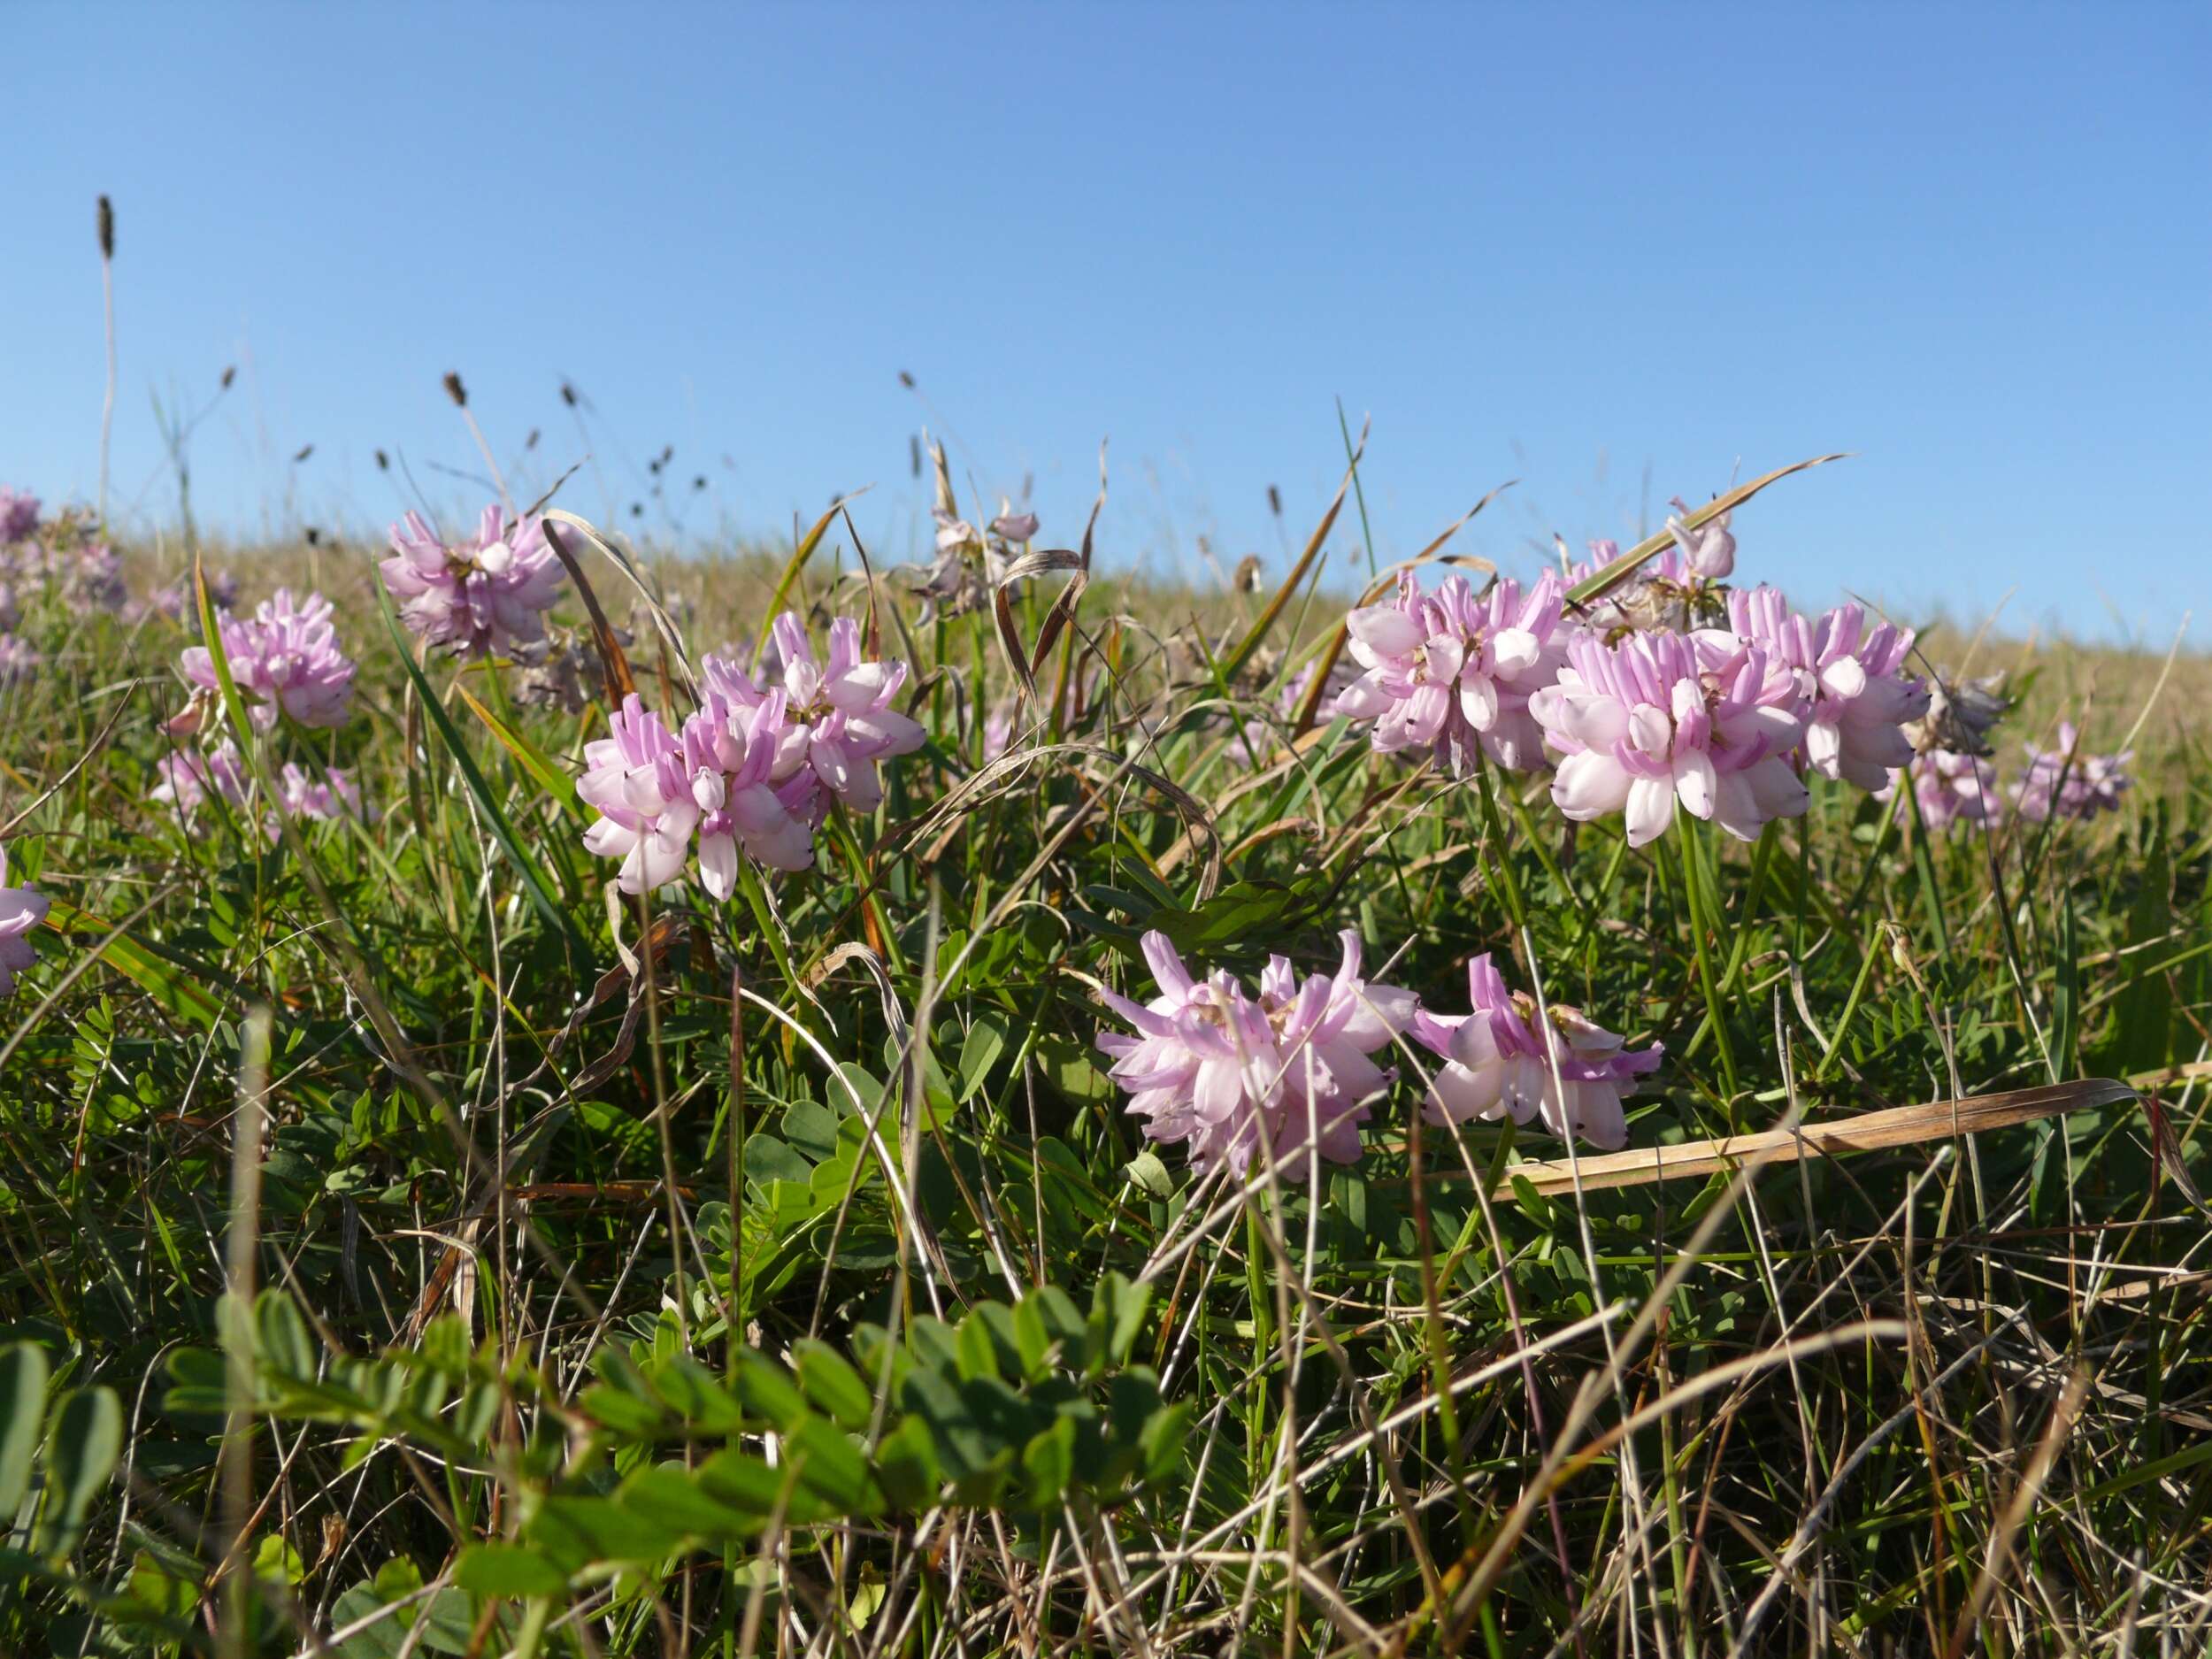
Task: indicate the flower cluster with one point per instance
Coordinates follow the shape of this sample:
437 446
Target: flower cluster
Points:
1231 1074
1950 787
21 908
190 777
1228 1073
1452 669
1504 1056
19 660
477 596
2062 781
1855 693
754 768
19 515
285 657
1659 718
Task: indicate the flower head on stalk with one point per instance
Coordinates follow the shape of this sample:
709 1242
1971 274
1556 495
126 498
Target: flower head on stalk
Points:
1504 1056
190 776
19 515
1855 693
2064 781
842 707
731 750
1454 669
21 909
637 781
1658 718
1950 788
1284 1075
485 595
285 657
19 660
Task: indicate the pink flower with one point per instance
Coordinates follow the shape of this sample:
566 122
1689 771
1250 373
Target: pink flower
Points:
188 777
335 796
1855 692
1013 527
2064 783
1501 1056
637 781
1450 668
21 908
19 660
843 708
178 603
19 515
731 750
1950 787
285 657
1231 1074
1708 552
1658 718
93 582
488 593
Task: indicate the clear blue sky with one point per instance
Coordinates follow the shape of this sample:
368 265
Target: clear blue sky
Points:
1570 245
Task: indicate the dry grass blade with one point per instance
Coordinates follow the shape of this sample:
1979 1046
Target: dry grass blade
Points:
1897 1126
1622 568
620 682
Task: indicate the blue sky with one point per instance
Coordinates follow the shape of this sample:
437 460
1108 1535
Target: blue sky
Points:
1581 247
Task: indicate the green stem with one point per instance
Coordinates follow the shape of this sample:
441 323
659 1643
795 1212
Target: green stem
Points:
1701 920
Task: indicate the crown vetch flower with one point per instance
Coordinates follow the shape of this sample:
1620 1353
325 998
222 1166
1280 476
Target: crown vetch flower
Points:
21 908
2064 782
1501 1056
1447 670
1708 552
285 657
731 750
332 796
843 708
18 514
487 594
636 778
1659 718
1855 692
189 776
92 580
1951 787
1230 1074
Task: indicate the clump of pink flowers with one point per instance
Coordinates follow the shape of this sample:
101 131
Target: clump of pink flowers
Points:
1950 787
21 908
1504 1056
753 769
1450 670
2064 781
284 658
19 515
483 595
1661 717
1232 1075
190 778
19 660
1855 694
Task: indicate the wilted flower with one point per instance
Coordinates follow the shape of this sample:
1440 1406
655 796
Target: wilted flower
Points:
1708 552
18 514
1855 693
19 660
1961 715
637 781
1951 787
21 908
1654 719
1501 1056
1012 526
285 657
1447 670
486 594
1231 1074
2064 783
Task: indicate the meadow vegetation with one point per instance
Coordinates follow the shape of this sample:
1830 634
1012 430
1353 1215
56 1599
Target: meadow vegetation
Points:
497 1167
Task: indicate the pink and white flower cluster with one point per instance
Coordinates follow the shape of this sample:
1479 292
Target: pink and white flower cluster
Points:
190 777
1951 788
1450 670
2064 782
1230 1074
285 657
1504 1056
1291 1072
474 598
754 769
1710 721
21 909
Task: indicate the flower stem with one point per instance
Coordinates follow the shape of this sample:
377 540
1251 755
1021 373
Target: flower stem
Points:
1701 921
